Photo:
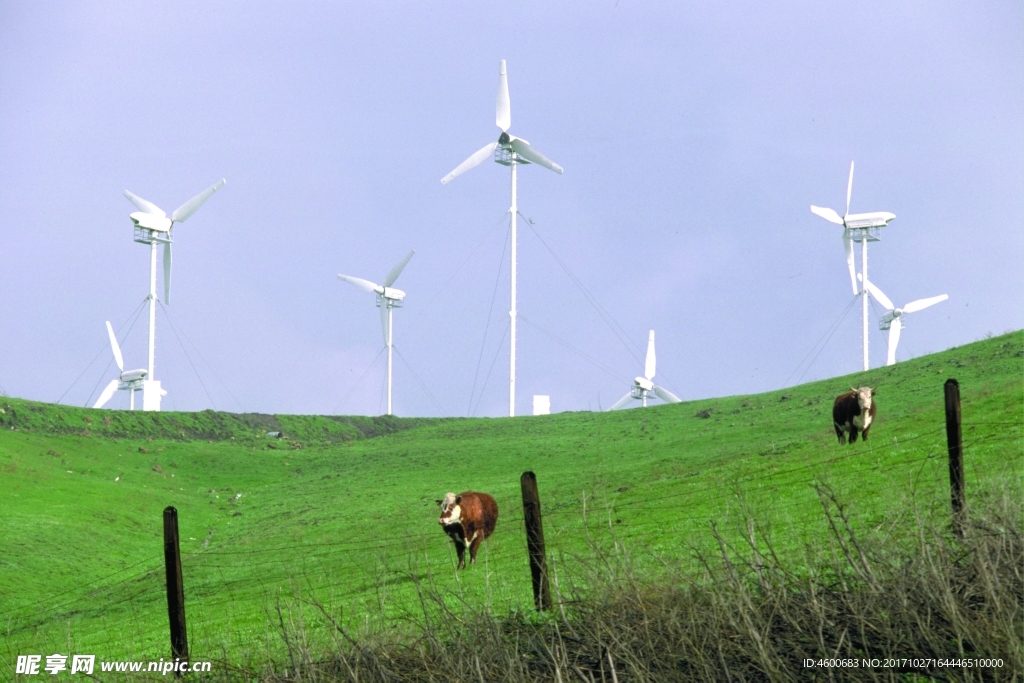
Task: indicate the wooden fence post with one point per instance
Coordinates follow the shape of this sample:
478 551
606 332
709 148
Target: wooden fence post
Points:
175 586
535 541
954 439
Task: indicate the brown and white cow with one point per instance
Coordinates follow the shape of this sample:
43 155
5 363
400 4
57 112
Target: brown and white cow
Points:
468 518
852 412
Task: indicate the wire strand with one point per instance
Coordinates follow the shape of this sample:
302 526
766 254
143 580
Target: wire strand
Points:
497 352
360 379
487 325
418 380
187 357
447 282
829 332
581 354
213 368
616 329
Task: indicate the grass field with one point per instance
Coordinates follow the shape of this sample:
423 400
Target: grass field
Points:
342 511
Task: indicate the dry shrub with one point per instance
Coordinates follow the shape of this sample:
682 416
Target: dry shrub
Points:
746 617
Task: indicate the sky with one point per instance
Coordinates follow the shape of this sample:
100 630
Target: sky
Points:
694 138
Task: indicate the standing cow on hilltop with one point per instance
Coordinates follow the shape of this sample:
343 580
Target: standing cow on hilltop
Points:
468 518
853 411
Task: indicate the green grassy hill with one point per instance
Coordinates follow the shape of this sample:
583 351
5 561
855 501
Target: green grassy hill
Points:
341 510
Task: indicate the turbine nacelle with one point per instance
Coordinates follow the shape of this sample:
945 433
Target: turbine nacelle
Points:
888 317
390 293
149 221
508 151
133 375
878 219
644 384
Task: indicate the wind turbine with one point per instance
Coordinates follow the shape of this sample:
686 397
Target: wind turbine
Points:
863 228
893 319
388 298
642 386
152 227
132 380
508 151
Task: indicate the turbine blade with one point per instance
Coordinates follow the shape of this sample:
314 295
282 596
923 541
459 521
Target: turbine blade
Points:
523 149
474 160
503 110
118 358
359 282
144 205
393 274
108 392
894 339
384 318
828 214
621 402
848 246
922 304
849 191
879 295
167 273
666 395
191 206
651 359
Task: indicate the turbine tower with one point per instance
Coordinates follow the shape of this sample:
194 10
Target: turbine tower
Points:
152 227
132 380
642 386
863 228
892 320
388 298
508 151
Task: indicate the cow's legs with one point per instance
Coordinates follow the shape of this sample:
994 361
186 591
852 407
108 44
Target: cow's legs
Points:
853 433
474 545
864 434
839 432
460 548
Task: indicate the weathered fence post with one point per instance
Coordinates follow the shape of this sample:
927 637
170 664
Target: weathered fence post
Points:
535 541
954 440
175 586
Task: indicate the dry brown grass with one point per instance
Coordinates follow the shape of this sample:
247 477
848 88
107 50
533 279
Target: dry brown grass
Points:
746 616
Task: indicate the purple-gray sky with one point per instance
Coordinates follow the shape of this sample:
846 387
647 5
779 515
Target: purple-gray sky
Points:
694 137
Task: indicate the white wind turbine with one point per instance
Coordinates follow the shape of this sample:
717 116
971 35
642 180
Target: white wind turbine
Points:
388 298
131 380
863 228
152 227
642 386
508 151
892 320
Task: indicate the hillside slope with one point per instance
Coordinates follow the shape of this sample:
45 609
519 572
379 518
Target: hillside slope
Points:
342 509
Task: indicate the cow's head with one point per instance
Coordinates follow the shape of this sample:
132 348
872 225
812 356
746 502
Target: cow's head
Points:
451 512
864 396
